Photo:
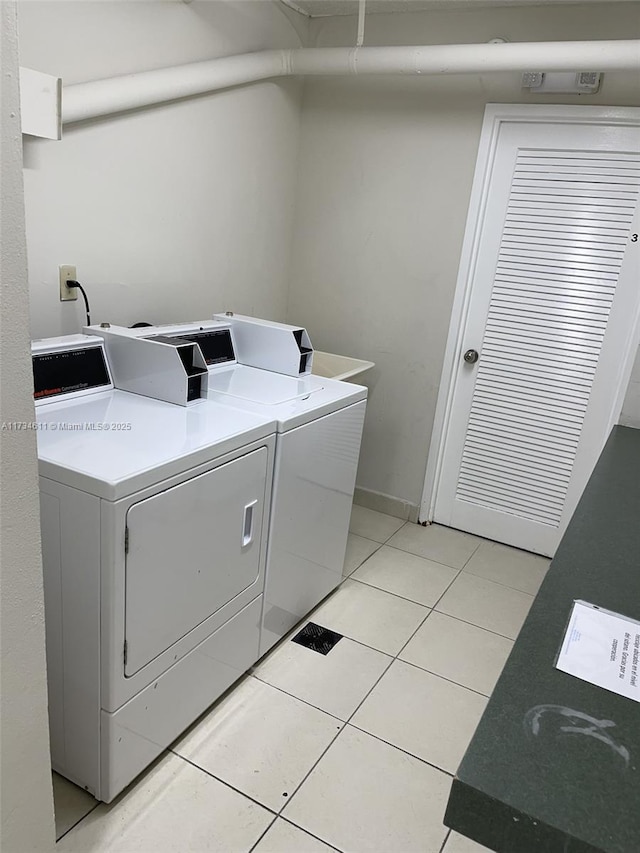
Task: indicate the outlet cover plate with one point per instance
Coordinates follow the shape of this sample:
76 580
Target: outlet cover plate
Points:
67 273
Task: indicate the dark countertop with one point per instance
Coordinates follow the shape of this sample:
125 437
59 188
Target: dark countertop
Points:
561 792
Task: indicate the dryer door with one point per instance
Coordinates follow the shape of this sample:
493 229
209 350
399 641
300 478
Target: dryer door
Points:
192 549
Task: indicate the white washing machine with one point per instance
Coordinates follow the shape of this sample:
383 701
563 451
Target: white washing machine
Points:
154 530
319 430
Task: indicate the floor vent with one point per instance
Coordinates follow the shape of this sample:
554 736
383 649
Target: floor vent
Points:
317 638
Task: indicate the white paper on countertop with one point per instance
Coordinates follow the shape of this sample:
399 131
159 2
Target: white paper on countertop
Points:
603 648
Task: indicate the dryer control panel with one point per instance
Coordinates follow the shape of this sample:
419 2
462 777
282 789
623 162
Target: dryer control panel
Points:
269 345
165 367
71 366
216 344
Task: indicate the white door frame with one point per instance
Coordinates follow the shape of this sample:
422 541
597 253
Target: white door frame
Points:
495 115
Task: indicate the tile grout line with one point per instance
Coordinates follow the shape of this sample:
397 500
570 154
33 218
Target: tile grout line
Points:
262 835
499 583
429 559
360 565
317 837
366 696
395 531
304 701
346 723
402 597
224 782
430 608
79 821
475 625
467 561
252 670
310 771
295 826
397 657
444 678
344 726
462 568
392 659
474 552
453 580
433 608
446 838
315 707
405 751
494 542
384 542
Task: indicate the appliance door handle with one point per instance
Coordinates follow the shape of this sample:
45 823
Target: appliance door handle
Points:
247 524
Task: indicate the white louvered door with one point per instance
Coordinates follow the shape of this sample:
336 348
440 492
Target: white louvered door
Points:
554 300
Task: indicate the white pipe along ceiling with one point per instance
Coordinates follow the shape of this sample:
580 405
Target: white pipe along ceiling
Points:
82 101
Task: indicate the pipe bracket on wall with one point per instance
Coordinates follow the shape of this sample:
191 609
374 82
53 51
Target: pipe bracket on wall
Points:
362 5
40 104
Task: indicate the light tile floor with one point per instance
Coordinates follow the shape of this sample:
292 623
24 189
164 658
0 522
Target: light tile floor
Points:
352 751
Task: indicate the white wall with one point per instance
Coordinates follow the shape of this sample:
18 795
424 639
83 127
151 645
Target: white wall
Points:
385 176
173 212
25 783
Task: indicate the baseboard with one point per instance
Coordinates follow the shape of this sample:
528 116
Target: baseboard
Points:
386 503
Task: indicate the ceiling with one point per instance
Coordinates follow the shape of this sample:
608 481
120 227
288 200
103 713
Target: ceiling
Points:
323 8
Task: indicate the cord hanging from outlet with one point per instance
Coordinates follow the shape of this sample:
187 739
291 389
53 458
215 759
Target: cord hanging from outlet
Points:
69 285
84 296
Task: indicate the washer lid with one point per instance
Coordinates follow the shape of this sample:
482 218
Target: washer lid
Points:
323 397
115 443
262 386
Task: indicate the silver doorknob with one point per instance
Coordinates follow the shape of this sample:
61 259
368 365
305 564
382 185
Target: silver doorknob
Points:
471 356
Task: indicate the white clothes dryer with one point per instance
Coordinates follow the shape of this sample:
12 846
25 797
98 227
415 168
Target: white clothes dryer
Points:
154 531
319 431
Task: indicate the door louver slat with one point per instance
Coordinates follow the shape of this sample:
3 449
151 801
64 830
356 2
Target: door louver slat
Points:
549 297
565 232
574 289
531 320
558 352
536 443
510 488
551 236
551 220
504 461
537 413
558 399
542 376
513 495
490 447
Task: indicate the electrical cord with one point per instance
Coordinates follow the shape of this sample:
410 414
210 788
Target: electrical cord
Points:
73 283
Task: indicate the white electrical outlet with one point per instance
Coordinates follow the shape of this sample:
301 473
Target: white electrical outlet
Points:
67 273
